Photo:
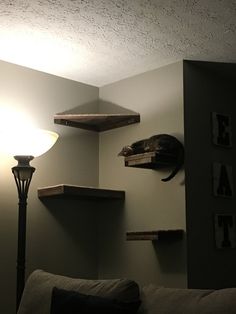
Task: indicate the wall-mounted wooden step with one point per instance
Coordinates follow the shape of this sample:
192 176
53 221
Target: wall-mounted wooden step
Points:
150 160
155 235
96 122
65 191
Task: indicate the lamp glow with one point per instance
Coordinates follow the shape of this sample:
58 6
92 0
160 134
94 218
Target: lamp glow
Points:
33 142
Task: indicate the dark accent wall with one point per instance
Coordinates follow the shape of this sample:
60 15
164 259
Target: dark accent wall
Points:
208 87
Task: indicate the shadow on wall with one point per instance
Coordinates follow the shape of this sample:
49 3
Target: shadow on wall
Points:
76 239
100 106
171 255
70 236
111 224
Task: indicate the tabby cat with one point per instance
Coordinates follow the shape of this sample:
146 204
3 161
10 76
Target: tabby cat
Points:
160 143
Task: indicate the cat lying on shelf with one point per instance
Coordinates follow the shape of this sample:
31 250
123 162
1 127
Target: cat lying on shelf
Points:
160 143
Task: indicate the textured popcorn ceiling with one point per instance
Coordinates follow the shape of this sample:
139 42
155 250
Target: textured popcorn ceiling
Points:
102 41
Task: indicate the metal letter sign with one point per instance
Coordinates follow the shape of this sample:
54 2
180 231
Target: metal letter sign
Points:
225 233
221 129
222 180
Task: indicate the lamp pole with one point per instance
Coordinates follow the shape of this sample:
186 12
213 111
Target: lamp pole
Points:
26 144
23 173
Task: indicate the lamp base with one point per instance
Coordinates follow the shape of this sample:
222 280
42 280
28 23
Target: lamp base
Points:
23 160
23 171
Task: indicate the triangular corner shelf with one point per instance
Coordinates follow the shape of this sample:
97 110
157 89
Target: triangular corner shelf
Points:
67 191
97 122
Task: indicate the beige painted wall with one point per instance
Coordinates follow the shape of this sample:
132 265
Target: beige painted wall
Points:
150 203
61 237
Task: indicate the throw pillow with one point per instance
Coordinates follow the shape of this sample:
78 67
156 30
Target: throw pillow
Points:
64 302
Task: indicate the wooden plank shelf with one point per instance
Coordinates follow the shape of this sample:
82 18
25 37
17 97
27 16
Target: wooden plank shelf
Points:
96 122
155 235
150 160
65 191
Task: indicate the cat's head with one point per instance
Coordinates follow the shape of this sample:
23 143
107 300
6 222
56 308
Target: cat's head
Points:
126 151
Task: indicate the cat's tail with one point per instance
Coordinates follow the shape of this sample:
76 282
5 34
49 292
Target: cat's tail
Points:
179 163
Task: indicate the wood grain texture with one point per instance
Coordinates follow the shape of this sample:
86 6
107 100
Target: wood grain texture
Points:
150 160
154 235
79 192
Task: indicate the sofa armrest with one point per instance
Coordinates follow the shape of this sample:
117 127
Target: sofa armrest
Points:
36 298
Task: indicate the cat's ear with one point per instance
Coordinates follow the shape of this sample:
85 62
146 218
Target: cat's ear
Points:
121 153
126 151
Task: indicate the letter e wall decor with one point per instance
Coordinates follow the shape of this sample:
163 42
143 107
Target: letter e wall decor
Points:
221 129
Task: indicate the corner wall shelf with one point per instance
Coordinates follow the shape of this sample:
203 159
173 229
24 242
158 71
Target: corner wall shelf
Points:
155 235
65 191
96 122
150 160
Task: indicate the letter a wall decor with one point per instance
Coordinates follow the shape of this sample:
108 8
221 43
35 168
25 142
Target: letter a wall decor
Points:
222 180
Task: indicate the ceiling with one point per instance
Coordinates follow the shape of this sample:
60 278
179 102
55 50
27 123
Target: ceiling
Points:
101 41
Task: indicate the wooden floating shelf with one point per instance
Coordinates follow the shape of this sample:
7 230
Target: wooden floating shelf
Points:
150 160
65 191
96 122
155 235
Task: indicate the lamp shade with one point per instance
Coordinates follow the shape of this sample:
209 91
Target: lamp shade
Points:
33 142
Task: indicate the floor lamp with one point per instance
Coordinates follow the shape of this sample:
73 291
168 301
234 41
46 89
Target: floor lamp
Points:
27 146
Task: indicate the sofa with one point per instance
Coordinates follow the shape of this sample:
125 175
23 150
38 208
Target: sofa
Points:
47 293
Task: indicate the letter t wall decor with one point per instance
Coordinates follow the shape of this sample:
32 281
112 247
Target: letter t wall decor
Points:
225 234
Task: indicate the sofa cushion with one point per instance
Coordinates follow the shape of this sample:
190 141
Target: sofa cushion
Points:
36 298
64 302
159 300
